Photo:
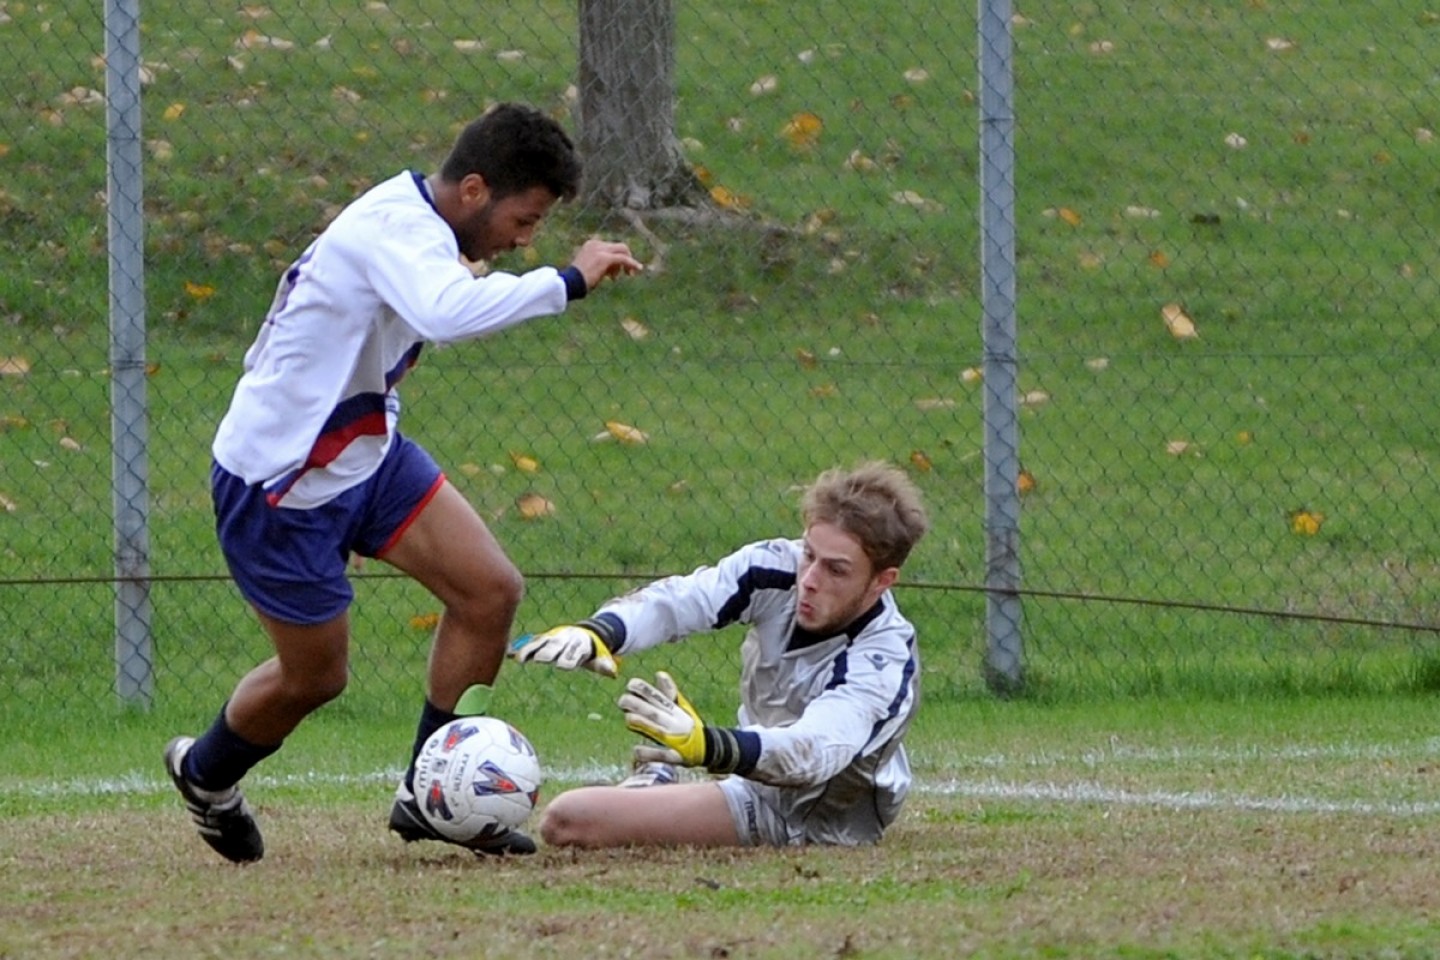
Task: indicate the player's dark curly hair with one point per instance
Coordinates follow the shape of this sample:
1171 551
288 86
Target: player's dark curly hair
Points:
515 147
876 503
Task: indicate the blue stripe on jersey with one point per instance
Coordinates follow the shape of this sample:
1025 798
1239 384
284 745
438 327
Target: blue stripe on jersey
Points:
907 681
752 580
841 668
424 189
350 409
363 405
412 356
292 276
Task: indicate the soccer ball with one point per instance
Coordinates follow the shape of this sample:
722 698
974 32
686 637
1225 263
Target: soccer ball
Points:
476 777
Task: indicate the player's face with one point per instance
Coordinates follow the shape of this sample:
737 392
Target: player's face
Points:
836 581
491 227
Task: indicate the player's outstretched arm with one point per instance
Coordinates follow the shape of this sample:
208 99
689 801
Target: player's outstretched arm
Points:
598 260
663 714
568 648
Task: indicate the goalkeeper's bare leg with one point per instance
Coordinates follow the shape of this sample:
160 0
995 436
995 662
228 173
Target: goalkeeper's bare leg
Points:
673 815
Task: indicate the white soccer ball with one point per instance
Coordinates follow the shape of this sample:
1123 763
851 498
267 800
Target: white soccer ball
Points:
475 777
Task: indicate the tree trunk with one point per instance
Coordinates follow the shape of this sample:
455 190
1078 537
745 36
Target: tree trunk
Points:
632 157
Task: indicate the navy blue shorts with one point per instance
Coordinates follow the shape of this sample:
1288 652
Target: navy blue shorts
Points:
290 564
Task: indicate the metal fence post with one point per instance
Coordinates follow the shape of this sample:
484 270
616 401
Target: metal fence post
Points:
134 656
1003 669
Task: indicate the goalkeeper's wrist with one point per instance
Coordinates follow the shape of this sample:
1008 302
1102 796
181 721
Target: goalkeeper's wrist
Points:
731 750
608 627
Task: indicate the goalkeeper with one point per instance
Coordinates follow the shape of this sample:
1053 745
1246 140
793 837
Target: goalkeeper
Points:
829 684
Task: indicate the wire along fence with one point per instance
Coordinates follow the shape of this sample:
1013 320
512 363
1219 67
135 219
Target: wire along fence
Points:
1225 225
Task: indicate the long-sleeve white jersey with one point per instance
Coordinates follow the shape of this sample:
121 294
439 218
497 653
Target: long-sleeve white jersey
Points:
316 409
829 712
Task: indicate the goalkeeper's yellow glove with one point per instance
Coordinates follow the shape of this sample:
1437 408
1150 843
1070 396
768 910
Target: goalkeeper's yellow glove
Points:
568 647
663 714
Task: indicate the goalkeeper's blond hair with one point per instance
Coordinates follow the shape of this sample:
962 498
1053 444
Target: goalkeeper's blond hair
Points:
876 503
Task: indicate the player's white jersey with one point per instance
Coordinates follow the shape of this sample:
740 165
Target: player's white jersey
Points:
830 711
316 408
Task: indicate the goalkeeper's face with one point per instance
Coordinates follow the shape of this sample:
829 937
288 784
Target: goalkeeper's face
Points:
836 581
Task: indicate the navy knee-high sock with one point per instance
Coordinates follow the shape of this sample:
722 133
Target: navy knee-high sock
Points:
221 757
432 718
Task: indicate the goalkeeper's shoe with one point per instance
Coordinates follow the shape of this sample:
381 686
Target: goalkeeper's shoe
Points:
652 773
407 822
222 816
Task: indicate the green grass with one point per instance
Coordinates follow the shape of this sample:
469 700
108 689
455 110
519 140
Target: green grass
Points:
1166 827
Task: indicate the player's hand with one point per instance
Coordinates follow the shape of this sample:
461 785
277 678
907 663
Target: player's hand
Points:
568 647
661 713
598 260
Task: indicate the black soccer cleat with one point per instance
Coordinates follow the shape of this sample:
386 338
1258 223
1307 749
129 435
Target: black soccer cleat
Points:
409 824
222 817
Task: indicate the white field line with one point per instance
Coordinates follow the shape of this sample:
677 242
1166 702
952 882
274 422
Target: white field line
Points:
1044 791
1116 752
1171 800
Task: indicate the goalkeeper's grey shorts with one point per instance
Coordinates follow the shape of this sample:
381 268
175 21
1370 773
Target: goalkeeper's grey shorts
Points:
756 809
772 816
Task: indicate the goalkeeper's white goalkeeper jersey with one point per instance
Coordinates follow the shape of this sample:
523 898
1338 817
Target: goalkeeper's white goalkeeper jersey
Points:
830 711
315 409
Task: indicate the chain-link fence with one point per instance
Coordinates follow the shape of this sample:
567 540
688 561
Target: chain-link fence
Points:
1225 227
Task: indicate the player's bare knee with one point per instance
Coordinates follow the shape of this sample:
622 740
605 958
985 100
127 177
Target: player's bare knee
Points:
317 689
509 587
559 826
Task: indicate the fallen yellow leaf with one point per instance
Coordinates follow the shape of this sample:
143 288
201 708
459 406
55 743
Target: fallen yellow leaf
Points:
1178 322
803 130
825 390
532 506
1025 482
174 112
524 463
199 291
1306 523
806 358
425 621
1069 216
626 433
724 197
14 366
921 461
